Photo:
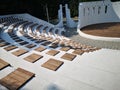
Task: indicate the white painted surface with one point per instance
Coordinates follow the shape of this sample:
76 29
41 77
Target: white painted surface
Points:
116 7
69 22
60 18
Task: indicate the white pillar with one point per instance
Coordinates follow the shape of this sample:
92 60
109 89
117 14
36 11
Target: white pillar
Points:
69 22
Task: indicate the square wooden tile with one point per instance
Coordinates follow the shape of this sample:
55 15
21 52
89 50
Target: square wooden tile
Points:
40 41
52 52
1 40
11 47
65 48
16 79
18 40
30 45
19 52
54 45
52 64
3 64
78 51
40 49
23 43
68 56
33 58
46 43
4 44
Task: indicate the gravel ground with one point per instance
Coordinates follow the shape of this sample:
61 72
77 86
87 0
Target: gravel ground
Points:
72 34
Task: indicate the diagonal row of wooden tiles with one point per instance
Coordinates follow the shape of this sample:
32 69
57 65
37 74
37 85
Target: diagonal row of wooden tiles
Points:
34 57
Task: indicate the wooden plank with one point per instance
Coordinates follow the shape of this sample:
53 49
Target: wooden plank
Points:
52 52
16 79
65 48
54 45
1 40
33 58
11 47
19 52
40 49
68 56
40 41
46 43
18 40
23 43
30 45
4 44
78 51
52 64
3 64
25 72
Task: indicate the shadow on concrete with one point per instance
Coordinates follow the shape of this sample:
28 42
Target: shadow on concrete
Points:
53 87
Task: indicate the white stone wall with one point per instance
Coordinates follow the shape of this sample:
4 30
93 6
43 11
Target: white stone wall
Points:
116 7
96 12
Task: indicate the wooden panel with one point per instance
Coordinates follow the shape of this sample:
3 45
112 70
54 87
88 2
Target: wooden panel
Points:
1 40
16 79
68 56
23 43
30 45
54 45
52 52
18 40
4 44
78 51
3 64
33 58
46 43
19 52
40 49
10 48
40 41
52 64
65 48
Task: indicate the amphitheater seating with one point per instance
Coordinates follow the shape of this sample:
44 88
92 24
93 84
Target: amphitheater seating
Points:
16 79
40 37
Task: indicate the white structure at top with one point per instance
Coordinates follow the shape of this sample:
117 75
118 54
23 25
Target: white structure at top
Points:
60 17
116 7
69 22
96 12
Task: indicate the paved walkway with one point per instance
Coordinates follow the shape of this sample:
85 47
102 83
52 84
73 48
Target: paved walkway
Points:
72 34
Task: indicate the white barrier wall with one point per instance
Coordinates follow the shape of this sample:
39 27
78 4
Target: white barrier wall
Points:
60 18
69 22
116 7
96 12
